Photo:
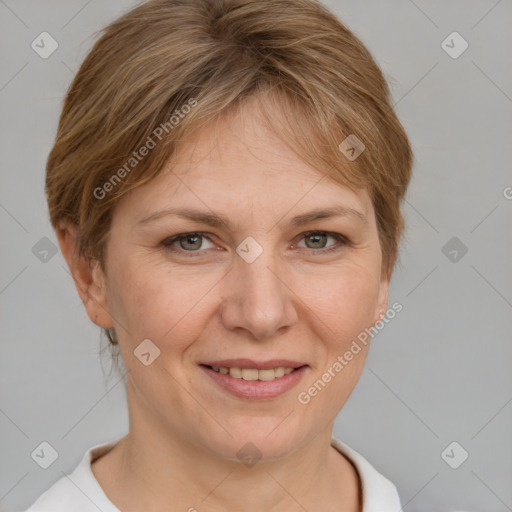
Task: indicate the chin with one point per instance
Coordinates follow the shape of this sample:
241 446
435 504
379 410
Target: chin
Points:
253 438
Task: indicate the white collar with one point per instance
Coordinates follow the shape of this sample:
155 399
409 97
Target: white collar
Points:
379 493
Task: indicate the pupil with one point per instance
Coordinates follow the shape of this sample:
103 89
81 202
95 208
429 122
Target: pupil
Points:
316 239
191 239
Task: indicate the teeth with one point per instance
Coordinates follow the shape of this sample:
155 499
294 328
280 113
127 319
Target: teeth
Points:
248 374
253 373
235 372
279 372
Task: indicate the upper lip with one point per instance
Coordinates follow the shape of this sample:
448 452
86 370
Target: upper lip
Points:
251 363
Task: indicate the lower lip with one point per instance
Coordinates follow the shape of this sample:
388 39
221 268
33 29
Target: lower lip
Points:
256 389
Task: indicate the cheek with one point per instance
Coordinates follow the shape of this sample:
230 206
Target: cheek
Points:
342 310
344 301
159 305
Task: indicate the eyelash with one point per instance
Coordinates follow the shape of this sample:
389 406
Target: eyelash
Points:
342 241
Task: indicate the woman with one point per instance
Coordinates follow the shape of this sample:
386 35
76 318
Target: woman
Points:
226 186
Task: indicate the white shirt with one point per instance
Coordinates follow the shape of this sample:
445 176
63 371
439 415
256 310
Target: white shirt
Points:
81 492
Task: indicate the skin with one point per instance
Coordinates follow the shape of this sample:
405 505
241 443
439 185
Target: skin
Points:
294 301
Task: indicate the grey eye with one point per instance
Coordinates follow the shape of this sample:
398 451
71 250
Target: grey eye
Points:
192 242
318 240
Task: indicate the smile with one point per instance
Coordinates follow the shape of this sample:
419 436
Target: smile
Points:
255 383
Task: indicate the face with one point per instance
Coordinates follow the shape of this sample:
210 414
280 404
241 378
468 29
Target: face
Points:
247 272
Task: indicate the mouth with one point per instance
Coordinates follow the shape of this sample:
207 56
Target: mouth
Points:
255 380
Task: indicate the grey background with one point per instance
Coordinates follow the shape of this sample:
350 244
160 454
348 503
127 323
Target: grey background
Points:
439 372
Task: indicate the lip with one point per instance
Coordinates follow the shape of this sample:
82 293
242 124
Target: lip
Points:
256 389
250 363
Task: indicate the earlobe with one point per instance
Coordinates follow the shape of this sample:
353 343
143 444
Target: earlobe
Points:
87 275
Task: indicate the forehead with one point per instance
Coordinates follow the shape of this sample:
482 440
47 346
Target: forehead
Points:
239 162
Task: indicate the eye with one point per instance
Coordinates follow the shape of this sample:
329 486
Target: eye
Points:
187 242
317 241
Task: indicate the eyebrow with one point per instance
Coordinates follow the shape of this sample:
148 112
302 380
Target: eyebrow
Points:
219 221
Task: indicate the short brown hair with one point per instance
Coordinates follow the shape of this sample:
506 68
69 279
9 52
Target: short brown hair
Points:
165 54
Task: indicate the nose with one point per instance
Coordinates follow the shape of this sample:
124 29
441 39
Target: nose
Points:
258 299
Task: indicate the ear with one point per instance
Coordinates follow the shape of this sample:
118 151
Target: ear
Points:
383 297
87 274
